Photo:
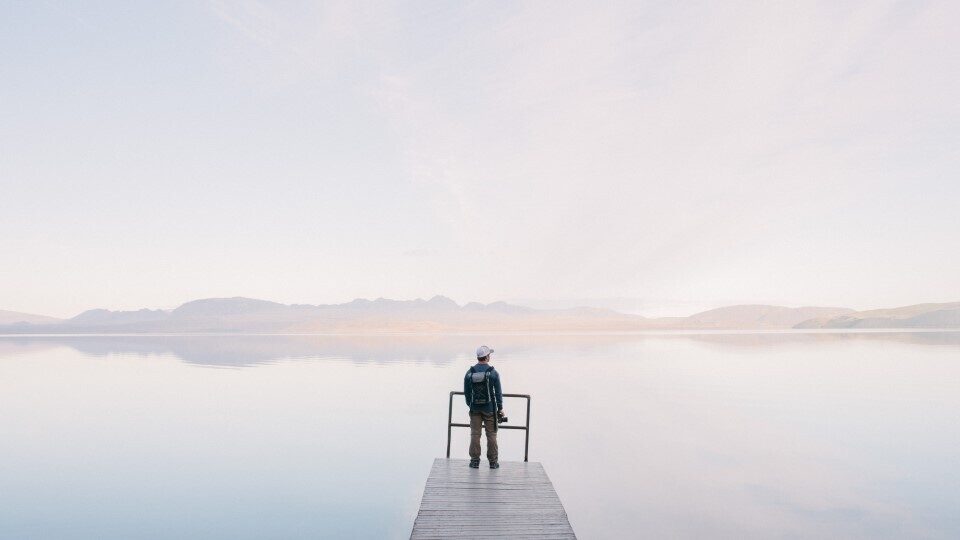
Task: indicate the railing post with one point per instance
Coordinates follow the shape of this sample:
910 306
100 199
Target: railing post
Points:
526 440
449 422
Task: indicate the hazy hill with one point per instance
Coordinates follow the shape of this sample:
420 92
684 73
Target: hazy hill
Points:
225 307
945 315
759 316
107 317
13 317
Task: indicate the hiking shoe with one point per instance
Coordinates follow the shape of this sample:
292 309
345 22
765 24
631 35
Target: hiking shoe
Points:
494 464
475 463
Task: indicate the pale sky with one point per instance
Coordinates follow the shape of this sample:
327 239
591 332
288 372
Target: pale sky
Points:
671 153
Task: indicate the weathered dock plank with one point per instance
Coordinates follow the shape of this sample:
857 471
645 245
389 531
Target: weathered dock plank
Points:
515 501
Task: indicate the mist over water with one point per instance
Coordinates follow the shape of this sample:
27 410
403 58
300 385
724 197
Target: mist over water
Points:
748 435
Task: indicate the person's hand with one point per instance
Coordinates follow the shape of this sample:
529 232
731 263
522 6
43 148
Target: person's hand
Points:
501 413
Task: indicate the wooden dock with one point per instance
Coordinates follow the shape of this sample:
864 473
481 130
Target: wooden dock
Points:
515 501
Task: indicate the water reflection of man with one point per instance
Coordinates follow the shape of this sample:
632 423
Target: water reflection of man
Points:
481 388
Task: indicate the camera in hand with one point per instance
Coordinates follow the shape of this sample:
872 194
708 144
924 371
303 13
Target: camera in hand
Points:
501 418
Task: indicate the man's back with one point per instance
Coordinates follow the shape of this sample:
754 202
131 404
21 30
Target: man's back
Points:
482 389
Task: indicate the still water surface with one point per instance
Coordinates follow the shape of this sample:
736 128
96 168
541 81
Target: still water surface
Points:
794 435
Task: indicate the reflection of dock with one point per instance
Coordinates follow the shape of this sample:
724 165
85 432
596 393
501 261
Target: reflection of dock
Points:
515 501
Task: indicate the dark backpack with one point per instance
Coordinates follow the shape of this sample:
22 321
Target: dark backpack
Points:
480 389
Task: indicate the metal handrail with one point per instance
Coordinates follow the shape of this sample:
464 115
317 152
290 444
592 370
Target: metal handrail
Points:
526 428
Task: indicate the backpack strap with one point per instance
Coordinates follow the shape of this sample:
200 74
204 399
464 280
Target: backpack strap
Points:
491 398
469 387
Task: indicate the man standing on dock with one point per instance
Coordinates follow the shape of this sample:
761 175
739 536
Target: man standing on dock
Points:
481 388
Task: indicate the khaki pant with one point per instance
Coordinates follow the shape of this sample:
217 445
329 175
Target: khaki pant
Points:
489 422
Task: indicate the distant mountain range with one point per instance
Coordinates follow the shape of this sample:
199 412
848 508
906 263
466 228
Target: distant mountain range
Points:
441 314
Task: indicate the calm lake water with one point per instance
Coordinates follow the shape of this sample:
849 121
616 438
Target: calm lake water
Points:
820 435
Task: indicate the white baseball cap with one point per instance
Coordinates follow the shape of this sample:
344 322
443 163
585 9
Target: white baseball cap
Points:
483 350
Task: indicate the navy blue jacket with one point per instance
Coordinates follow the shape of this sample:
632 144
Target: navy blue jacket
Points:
495 382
